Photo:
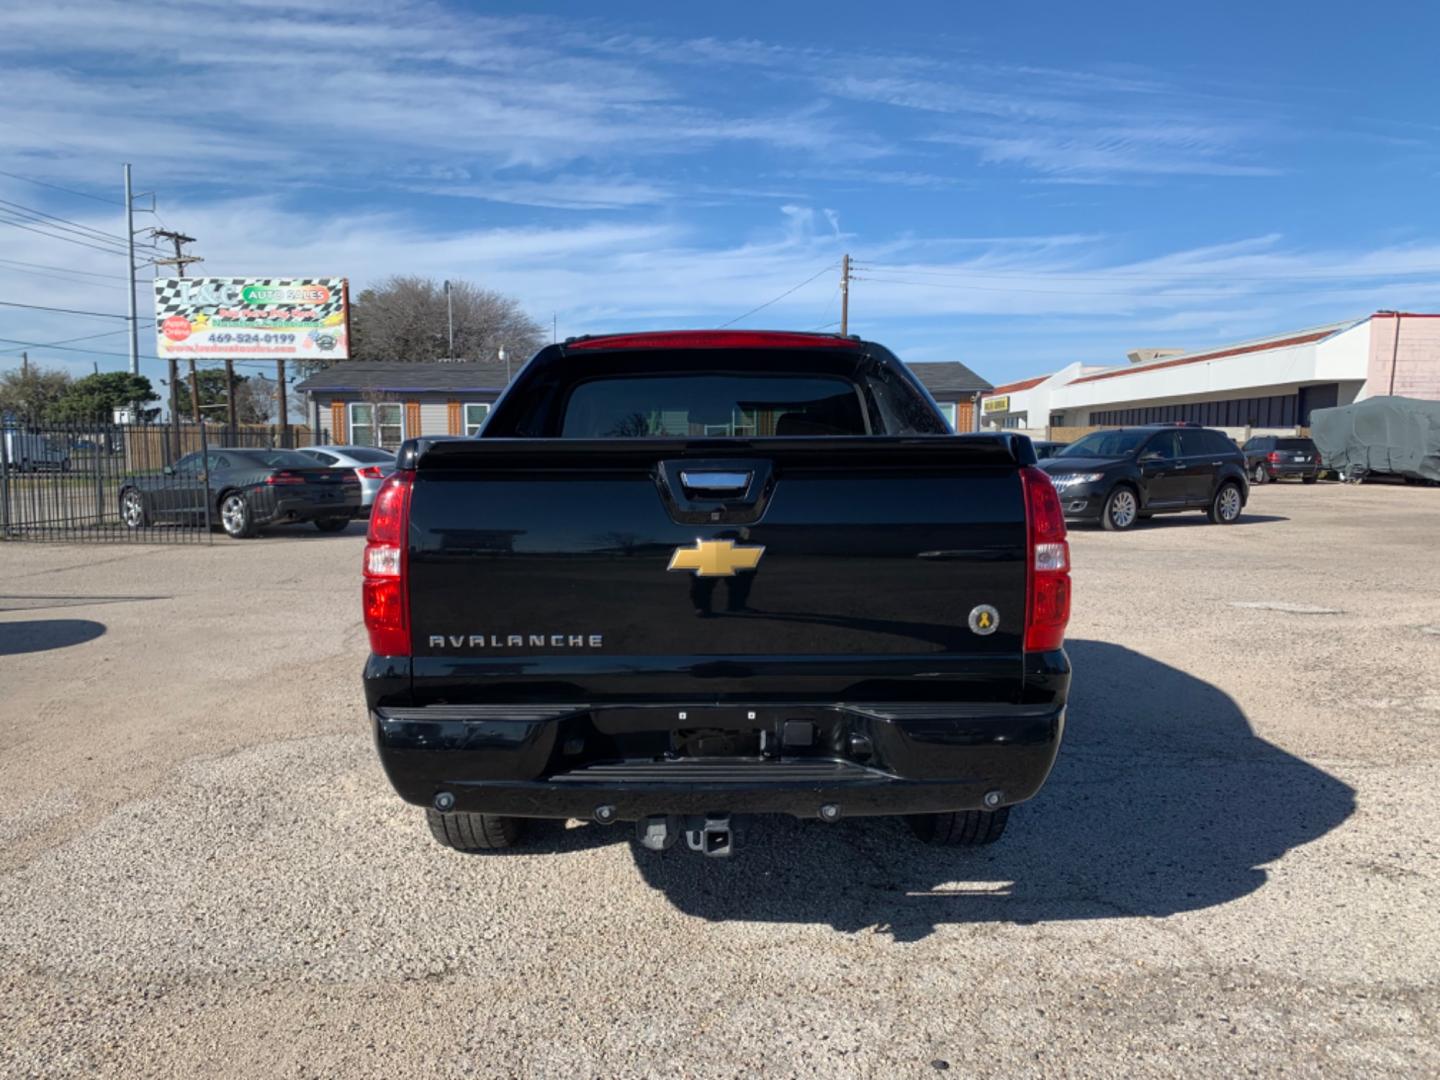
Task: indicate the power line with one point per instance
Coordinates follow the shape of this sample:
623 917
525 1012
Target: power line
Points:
63 310
823 270
57 187
1154 275
99 234
63 269
72 348
67 239
68 340
56 277
1160 293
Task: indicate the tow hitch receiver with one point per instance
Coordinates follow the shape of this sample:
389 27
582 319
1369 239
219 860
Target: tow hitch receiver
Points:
710 835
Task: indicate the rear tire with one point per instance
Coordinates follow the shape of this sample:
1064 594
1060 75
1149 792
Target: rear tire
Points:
474 832
134 511
235 516
332 525
1227 504
1259 476
960 828
1310 479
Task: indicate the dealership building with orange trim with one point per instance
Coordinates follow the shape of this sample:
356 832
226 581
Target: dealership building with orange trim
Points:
1268 384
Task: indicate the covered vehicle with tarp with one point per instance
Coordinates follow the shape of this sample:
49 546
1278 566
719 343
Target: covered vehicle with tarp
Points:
1395 435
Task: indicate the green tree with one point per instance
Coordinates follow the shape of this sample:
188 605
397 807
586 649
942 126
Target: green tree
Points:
96 397
30 392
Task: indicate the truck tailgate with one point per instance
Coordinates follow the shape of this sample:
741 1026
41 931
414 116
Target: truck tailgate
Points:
618 571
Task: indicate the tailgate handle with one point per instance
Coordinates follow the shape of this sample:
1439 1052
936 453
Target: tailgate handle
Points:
695 480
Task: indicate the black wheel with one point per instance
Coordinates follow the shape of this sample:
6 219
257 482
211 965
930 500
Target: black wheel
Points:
1122 507
235 516
474 832
134 511
332 525
1258 475
960 828
1225 507
1310 479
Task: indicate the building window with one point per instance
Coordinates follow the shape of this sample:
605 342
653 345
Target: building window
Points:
947 410
381 425
475 416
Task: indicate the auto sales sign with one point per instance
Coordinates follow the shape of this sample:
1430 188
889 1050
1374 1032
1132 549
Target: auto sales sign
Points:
264 318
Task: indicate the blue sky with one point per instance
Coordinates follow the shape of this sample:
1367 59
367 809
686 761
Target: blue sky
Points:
1020 185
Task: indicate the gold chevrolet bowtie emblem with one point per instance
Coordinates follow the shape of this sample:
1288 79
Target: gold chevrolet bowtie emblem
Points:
715 558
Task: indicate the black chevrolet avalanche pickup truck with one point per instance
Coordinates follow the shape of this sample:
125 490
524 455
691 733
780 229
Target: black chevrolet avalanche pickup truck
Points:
680 576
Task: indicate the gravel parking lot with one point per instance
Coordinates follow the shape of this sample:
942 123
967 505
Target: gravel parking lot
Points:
1234 868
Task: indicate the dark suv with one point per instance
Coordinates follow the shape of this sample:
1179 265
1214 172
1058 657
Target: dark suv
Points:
1118 476
1270 457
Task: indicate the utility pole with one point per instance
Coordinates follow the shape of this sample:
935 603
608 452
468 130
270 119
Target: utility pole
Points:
282 402
450 323
130 262
230 399
1394 354
180 261
25 366
504 359
845 296
194 393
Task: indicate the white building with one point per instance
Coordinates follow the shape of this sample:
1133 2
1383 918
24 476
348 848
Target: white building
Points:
1269 384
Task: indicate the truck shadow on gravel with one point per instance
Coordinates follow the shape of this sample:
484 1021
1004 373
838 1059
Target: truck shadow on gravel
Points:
1163 800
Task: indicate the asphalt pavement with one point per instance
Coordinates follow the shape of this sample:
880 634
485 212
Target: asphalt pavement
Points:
1234 868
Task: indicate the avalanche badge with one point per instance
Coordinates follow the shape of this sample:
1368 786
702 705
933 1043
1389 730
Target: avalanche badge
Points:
715 558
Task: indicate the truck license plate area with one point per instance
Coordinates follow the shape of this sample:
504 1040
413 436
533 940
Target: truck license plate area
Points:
722 730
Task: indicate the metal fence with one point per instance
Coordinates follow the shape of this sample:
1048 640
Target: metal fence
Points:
79 482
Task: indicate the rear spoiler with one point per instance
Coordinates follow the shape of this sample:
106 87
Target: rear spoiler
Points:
919 452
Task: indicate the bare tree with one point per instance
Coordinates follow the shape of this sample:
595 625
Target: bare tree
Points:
255 400
404 318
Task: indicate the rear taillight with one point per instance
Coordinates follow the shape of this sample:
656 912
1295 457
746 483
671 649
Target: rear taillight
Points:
284 478
1047 600
370 472
387 606
1272 457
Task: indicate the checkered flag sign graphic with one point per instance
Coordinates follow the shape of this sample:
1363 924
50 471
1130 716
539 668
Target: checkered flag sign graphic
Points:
205 296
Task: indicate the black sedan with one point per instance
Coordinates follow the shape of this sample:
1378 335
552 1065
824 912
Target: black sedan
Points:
245 489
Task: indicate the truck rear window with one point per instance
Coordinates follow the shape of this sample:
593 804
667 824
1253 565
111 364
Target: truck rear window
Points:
712 405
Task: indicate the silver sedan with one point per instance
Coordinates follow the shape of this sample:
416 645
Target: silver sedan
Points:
370 463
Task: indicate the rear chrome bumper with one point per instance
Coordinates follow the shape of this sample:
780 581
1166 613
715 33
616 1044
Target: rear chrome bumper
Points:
867 759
